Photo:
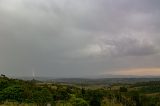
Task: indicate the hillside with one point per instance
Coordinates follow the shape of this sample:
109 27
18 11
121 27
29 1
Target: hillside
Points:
15 92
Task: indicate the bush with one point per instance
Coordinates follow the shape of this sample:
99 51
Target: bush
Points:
123 89
79 102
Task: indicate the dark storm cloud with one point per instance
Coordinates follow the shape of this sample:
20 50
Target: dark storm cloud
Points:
68 38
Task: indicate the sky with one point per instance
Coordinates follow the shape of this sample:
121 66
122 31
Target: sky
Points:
79 38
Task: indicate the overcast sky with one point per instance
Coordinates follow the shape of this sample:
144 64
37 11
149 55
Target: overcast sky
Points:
78 38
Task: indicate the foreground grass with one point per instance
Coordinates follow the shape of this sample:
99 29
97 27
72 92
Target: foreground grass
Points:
104 103
16 104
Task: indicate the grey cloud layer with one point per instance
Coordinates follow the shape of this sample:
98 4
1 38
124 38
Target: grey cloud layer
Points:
69 38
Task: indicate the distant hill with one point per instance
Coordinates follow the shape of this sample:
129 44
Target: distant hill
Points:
108 79
104 80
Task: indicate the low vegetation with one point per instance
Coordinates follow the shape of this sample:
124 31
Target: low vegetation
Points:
14 92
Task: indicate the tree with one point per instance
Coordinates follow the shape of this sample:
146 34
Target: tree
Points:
95 102
78 101
123 89
42 96
61 94
3 84
14 92
135 97
94 97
